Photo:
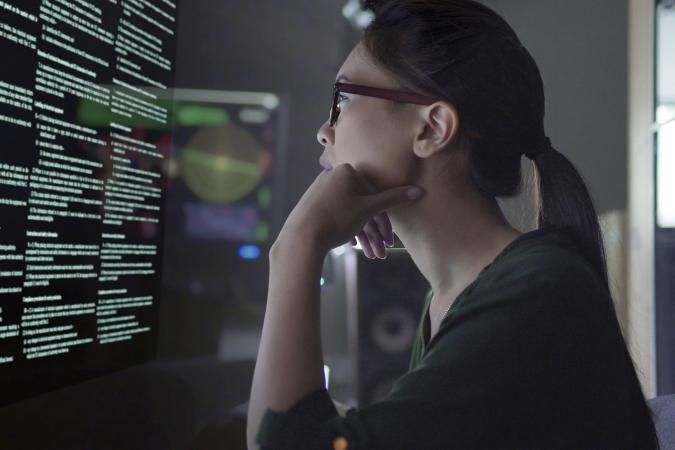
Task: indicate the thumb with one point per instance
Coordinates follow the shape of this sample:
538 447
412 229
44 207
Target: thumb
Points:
384 200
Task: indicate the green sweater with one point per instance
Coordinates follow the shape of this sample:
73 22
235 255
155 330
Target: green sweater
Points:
530 356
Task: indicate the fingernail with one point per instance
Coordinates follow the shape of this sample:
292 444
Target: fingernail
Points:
414 193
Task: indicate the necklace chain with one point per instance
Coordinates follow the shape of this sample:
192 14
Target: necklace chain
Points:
446 311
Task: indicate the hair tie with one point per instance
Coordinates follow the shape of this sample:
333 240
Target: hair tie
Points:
544 145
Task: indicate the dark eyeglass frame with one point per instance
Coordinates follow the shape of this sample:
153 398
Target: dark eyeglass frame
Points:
389 94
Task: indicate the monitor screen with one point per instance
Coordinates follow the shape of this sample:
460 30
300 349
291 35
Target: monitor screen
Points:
85 139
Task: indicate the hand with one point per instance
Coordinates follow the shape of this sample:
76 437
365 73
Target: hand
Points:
337 207
375 233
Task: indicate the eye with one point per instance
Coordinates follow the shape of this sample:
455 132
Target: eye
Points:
341 98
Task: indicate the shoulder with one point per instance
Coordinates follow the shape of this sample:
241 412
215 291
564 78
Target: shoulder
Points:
545 266
551 258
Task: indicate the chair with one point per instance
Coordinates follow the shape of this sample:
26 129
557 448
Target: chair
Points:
664 408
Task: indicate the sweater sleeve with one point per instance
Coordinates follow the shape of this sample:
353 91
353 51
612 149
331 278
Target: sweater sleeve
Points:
277 429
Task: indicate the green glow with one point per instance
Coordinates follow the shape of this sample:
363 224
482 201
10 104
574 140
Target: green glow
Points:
197 115
96 115
264 197
221 163
262 232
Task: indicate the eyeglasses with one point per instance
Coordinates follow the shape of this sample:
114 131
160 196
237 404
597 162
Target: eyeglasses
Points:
389 94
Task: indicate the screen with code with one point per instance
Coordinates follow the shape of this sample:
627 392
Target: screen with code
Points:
85 137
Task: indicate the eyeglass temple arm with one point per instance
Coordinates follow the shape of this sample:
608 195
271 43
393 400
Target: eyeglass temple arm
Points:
406 97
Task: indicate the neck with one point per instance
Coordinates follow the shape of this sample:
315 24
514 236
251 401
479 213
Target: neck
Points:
451 235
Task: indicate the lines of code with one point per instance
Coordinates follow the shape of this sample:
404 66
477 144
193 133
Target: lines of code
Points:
85 138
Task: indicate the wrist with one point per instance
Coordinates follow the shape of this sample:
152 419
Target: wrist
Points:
296 244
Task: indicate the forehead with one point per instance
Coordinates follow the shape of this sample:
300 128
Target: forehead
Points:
361 68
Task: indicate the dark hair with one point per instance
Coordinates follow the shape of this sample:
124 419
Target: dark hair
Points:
465 53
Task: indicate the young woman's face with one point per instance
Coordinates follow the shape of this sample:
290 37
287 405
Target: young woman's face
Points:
369 134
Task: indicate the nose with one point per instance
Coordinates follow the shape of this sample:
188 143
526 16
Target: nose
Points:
325 134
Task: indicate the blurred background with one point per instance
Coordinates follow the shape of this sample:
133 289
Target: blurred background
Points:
253 83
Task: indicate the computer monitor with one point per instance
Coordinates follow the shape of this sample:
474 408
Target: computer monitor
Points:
81 203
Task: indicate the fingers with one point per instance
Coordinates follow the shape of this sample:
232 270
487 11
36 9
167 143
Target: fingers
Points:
365 244
370 248
384 227
371 237
375 239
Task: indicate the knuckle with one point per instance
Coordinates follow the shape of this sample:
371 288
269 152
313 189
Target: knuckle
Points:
372 235
369 228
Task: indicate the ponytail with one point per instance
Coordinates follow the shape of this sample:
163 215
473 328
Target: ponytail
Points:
564 201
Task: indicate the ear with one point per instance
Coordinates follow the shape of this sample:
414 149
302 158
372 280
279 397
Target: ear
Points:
437 128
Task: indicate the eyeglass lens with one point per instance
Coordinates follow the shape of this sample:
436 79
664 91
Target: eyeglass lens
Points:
334 111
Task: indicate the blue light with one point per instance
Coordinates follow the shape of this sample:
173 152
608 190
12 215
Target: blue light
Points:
249 251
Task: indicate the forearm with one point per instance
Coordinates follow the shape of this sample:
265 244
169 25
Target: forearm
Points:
289 364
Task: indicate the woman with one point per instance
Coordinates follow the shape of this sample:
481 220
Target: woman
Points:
519 345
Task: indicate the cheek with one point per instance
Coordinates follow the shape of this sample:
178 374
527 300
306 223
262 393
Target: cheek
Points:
387 162
363 133
394 160
376 147
353 138
395 169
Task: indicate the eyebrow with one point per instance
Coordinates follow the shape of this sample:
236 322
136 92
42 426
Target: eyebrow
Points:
343 77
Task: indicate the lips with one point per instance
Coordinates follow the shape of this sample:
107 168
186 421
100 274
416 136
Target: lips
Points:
325 164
